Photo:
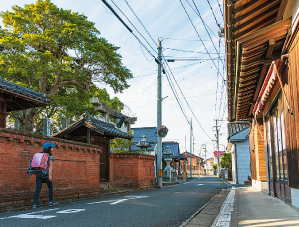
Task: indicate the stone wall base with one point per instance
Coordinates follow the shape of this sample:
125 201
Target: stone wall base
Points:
261 185
295 197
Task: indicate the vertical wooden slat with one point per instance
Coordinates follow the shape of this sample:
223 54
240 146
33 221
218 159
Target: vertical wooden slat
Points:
292 121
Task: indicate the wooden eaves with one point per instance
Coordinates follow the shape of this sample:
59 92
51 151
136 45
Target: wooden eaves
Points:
242 18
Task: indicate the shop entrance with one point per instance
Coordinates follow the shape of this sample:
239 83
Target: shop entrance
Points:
276 152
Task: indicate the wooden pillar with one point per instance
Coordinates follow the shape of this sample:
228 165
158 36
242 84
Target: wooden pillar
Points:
3 113
88 136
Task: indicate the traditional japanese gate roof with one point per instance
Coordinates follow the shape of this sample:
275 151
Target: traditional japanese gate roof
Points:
79 128
20 98
174 148
255 34
149 132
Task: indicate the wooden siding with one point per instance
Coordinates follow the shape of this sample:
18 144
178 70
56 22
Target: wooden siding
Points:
253 165
260 155
291 85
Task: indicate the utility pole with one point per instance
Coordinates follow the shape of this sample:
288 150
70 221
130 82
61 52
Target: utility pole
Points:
159 116
191 148
205 147
217 141
205 160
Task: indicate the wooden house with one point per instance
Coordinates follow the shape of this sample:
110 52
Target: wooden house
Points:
262 50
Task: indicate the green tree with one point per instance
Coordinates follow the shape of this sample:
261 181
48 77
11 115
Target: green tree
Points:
215 167
226 160
59 53
120 145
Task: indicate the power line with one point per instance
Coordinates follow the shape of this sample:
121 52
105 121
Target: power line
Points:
177 97
213 14
199 36
191 40
133 26
190 59
184 66
140 22
205 25
220 9
144 54
186 100
188 51
205 28
129 29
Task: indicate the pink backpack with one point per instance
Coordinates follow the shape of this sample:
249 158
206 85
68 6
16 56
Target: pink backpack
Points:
40 160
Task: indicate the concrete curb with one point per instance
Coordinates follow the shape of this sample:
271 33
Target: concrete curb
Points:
200 217
222 208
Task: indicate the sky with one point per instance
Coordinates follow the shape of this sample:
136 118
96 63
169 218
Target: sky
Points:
197 81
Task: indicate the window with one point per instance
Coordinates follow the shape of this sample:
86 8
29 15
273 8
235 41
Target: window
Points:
269 148
276 143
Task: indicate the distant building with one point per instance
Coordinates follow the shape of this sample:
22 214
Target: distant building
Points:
177 158
209 166
196 164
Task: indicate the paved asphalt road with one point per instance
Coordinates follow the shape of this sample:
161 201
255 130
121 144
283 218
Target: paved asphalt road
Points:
168 206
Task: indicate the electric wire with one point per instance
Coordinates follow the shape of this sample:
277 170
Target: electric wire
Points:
177 97
187 51
213 14
195 40
199 36
198 13
168 77
134 26
141 23
186 100
220 9
188 40
204 23
180 67
129 29
144 54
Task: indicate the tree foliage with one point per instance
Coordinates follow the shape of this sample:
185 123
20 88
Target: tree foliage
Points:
215 167
120 145
60 53
226 160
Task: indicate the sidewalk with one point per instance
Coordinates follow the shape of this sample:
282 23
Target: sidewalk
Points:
245 206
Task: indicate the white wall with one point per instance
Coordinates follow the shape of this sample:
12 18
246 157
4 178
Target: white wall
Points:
233 163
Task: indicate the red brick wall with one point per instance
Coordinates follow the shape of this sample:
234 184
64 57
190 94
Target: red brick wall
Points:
133 170
76 168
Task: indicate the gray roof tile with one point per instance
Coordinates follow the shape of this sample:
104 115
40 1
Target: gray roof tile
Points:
236 127
149 132
6 85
